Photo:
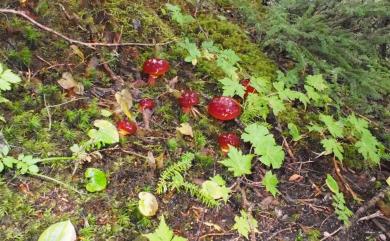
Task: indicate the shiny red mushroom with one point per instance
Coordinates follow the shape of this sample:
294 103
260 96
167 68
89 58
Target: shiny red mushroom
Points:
224 108
126 127
146 106
226 140
155 68
248 88
187 100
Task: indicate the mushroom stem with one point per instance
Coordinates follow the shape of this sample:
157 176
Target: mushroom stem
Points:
186 109
152 80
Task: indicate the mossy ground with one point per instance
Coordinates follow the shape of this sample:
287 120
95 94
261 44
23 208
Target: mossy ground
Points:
28 205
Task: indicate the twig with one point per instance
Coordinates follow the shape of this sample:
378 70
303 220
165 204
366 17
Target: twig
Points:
67 102
331 234
47 110
368 205
56 181
74 41
134 153
371 216
278 232
344 182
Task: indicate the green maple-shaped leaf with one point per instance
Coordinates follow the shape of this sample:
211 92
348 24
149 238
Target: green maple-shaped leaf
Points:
163 233
210 47
331 145
245 224
237 162
254 133
294 131
177 14
368 147
270 182
276 104
335 128
358 125
7 77
273 156
232 87
106 132
264 145
192 49
215 188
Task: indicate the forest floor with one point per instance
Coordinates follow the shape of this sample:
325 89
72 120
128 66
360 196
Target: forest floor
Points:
45 119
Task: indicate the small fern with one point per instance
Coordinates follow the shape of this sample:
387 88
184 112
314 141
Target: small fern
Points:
172 179
180 167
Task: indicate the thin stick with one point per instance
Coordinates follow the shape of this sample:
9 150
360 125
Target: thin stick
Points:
331 234
56 181
47 110
74 41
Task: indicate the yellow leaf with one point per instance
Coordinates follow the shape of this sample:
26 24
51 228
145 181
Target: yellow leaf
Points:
125 101
77 52
185 129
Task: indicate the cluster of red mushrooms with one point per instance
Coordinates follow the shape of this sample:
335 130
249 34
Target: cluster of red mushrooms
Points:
222 108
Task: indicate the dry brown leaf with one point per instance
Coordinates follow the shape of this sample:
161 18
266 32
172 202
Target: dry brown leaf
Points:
216 227
295 178
151 161
160 161
185 129
67 82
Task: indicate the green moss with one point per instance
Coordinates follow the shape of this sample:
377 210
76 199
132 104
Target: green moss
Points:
124 14
231 36
22 56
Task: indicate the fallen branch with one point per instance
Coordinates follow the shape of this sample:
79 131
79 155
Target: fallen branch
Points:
74 41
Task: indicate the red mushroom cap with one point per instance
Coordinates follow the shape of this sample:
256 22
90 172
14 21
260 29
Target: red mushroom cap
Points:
224 108
145 104
155 68
126 127
187 100
226 139
248 87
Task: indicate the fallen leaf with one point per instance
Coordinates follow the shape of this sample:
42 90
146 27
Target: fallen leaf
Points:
216 227
151 161
67 82
185 129
160 161
295 178
62 231
147 204
76 50
125 101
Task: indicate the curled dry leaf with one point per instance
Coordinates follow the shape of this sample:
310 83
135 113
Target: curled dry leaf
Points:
147 204
125 102
185 129
68 83
295 178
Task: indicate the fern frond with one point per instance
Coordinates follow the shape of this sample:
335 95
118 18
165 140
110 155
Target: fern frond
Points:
180 167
